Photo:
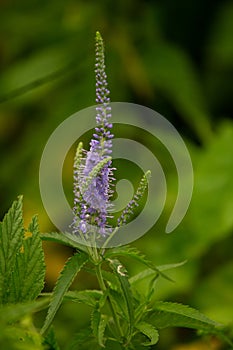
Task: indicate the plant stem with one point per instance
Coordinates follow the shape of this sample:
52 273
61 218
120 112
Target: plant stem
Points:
109 239
113 311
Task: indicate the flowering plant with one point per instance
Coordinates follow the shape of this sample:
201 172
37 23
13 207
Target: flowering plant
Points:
122 317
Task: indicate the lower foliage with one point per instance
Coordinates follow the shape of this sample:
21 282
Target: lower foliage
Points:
121 318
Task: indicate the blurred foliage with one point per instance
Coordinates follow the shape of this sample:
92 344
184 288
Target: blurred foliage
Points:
175 57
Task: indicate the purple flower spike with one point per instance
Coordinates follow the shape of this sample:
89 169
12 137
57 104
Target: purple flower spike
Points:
92 201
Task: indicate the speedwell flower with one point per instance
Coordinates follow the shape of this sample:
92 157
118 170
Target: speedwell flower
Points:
93 172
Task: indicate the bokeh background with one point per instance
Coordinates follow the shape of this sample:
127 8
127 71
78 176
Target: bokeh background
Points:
175 57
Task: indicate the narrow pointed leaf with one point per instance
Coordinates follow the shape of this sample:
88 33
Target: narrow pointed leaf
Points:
120 303
134 253
88 297
167 314
141 275
95 320
63 238
171 266
72 267
149 331
121 274
101 330
98 325
152 272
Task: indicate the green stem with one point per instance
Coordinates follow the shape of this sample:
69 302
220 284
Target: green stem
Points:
109 239
113 311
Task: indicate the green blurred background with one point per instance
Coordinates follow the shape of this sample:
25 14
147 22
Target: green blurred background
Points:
175 57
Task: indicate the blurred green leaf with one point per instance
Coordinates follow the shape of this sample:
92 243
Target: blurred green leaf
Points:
19 338
16 329
220 48
83 340
212 204
214 294
172 72
209 218
14 312
50 342
167 314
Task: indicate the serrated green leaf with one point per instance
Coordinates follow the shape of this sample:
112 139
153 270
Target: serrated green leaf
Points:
128 251
134 253
95 320
22 268
11 239
121 274
101 330
167 314
27 279
63 238
88 297
98 325
72 267
119 302
149 331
